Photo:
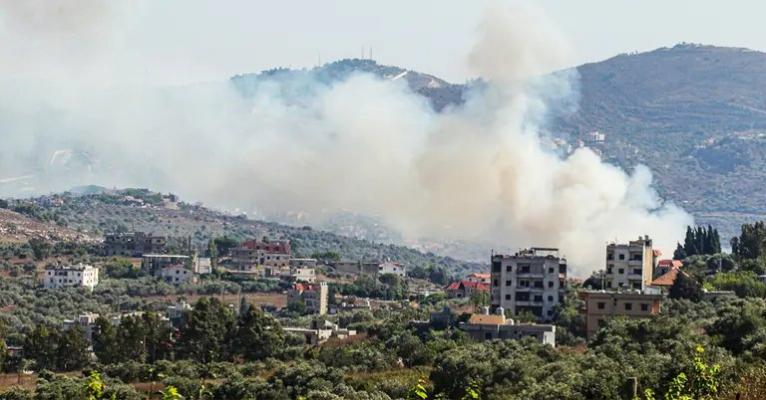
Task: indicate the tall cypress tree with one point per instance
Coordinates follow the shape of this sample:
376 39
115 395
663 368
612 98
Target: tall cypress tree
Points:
689 247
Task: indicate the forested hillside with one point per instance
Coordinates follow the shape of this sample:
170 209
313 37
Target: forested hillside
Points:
146 211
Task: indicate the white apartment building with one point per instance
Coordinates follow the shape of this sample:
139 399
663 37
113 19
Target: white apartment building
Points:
531 280
80 275
629 266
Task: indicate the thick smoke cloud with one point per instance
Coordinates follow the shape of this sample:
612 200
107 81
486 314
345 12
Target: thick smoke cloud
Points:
479 172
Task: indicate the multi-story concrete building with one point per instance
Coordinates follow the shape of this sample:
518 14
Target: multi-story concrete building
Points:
273 255
269 246
80 275
531 280
356 267
177 274
303 274
629 266
370 268
601 305
154 263
497 327
303 262
313 296
133 244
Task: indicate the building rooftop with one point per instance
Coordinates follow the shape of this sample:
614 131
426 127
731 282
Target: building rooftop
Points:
165 256
76 267
623 294
667 278
487 319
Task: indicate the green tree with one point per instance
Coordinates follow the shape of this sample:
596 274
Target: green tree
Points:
171 393
105 344
203 336
224 244
685 287
39 345
41 249
258 335
71 349
479 299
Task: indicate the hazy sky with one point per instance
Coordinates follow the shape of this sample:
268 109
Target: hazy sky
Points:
191 40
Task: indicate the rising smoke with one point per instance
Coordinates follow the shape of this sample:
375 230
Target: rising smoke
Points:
478 172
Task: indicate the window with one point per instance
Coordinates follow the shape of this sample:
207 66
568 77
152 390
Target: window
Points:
550 284
550 298
562 268
509 268
550 270
628 306
622 256
539 284
637 271
538 298
494 283
601 305
644 307
609 269
507 296
524 269
621 270
610 256
496 266
508 283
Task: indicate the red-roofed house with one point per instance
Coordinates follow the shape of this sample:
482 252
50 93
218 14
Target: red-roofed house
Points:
666 280
461 289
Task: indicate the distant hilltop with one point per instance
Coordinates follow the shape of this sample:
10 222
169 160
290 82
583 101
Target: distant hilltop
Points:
440 92
691 112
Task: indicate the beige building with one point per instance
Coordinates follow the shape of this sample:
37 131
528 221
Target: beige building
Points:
304 274
497 327
531 280
629 266
601 305
314 296
247 259
321 332
86 322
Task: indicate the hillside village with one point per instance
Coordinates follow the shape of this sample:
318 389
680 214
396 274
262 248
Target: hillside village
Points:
329 300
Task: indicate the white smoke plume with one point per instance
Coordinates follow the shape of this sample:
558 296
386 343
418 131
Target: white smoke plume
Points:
477 172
